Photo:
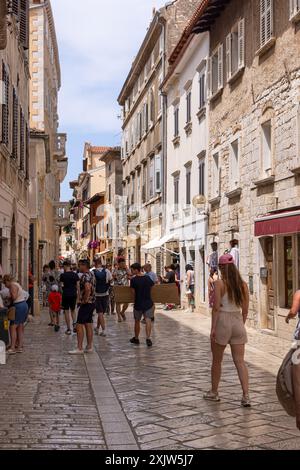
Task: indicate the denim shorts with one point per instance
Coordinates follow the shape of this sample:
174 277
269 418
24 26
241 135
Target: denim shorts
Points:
21 313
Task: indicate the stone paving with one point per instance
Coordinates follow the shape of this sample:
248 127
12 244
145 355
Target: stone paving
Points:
142 398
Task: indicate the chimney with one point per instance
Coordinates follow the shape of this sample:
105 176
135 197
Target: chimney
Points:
3 24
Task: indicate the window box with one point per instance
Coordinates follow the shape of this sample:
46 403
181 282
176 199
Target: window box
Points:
234 193
236 75
176 141
201 113
188 128
215 200
264 181
266 47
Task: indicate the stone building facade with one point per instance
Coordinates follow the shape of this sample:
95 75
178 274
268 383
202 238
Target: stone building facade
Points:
48 162
187 143
89 195
254 116
113 204
144 124
14 145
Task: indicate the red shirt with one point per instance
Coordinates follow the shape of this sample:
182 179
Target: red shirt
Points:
54 300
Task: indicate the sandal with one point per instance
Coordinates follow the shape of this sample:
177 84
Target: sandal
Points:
11 351
211 396
245 402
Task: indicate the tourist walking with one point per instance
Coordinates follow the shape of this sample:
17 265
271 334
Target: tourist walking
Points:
294 313
169 278
87 306
16 328
190 287
121 277
55 301
229 315
154 278
143 304
69 282
103 279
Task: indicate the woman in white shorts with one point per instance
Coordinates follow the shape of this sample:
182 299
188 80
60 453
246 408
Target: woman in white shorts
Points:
229 315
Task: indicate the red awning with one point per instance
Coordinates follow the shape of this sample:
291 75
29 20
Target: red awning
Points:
282 223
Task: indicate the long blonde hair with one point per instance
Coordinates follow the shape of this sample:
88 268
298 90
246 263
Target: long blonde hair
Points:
234 284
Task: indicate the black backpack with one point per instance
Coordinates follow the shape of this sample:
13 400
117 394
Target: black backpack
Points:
101 285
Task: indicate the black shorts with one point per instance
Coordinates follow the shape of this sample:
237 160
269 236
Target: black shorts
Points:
102 304
85 314
69 302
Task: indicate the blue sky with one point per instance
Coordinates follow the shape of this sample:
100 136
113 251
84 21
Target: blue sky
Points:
97 44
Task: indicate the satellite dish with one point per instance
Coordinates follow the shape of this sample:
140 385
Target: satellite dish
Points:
199 201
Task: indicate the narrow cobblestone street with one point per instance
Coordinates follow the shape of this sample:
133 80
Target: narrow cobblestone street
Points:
142 398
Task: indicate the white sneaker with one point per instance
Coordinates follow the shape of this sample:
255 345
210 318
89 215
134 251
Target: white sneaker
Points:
102 333
88 351
76 351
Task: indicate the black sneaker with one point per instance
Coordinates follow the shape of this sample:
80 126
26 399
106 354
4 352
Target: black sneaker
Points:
135 341
68 332
149 343
56 328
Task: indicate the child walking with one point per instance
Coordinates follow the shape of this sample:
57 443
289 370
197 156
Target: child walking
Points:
55 300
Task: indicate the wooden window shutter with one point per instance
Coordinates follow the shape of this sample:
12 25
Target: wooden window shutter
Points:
292 8
220 66
24 23
15 132
15 7
5 106
209 77
22 141
27 153
228 56
241 43
266 21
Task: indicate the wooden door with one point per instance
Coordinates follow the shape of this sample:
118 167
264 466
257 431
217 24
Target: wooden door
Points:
270 283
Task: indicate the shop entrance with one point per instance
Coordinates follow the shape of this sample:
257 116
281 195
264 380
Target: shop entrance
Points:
268 279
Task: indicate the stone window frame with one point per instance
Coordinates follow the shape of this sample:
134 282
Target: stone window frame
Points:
236 137
239 29
268 115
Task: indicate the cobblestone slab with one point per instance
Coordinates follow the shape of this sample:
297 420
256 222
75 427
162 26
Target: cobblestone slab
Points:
160 389
46 400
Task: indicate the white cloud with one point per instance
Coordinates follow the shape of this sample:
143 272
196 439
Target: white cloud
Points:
97 40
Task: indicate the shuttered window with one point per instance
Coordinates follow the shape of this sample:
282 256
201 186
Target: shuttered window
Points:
294 9
188 185
189 106
176 121
15 7
15 131
202 176
235 49
27 153
215 71
5 105
24 23
266 21
22 141
158 173
202 94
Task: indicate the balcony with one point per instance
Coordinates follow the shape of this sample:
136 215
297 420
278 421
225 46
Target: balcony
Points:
60 145
62 166
62 214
